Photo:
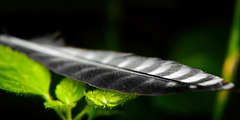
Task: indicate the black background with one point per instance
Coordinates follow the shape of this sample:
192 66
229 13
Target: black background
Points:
144 27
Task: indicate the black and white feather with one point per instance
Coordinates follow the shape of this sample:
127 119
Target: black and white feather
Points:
122 72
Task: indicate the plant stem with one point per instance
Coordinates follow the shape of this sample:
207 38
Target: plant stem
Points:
230 64
60 114
69 113
82 113
48 98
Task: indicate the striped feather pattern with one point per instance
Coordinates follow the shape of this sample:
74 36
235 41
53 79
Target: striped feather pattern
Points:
122 72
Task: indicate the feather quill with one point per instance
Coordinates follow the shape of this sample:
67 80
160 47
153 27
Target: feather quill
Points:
123 72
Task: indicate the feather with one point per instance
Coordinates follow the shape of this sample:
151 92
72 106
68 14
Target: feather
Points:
122 72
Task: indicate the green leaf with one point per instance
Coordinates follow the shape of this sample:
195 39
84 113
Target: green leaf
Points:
230 65
70 91
54 104
57 104
107 98
20 74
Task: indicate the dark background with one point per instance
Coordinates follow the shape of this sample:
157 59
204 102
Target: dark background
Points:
191 32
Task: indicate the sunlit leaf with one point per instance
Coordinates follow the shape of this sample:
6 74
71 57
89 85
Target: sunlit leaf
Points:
20 74
70 91
107 98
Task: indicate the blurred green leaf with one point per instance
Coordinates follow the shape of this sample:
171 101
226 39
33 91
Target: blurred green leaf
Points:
102 112
201 47
107 98
70 91
20 74
185 103
230 65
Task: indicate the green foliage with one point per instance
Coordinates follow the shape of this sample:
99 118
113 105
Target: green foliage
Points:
191 49
55 104
21 74
107 98
230 64
200 47
102 112
185 103
70 91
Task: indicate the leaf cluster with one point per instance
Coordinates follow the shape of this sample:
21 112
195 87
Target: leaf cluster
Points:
22 75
